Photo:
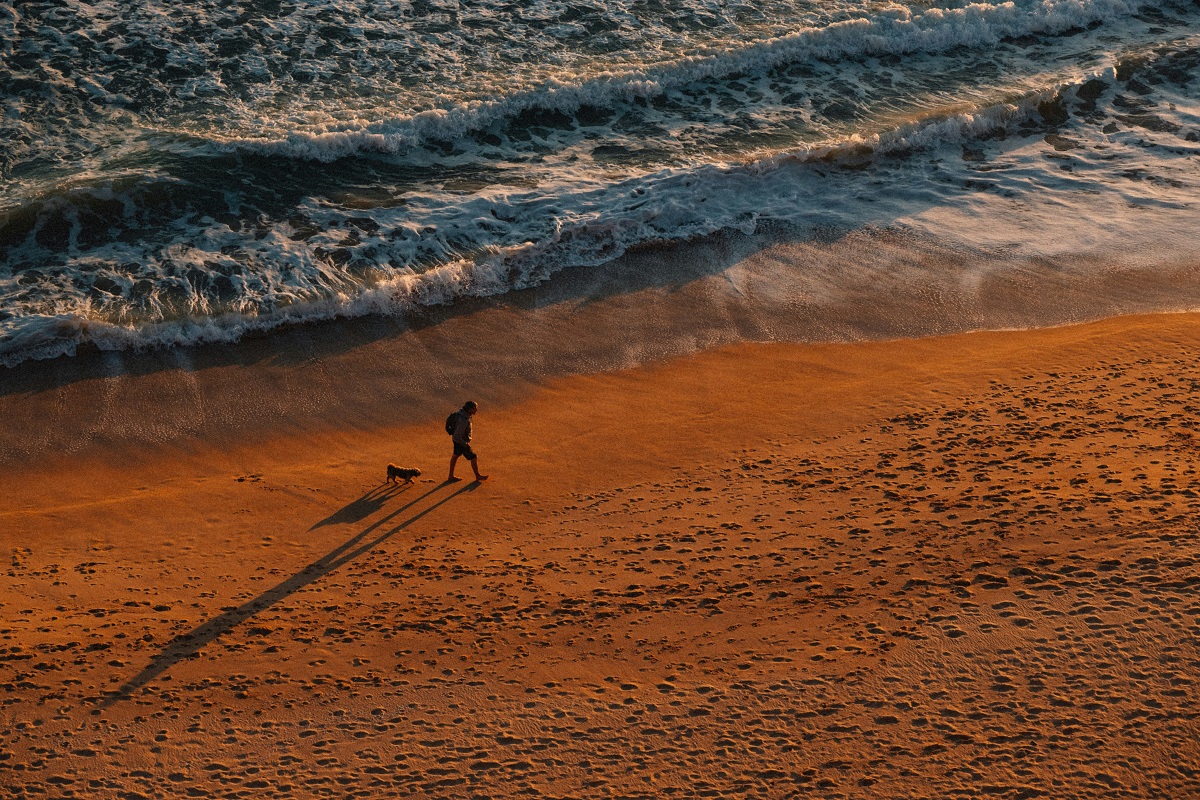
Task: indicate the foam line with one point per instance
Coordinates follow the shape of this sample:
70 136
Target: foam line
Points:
597 224
896 32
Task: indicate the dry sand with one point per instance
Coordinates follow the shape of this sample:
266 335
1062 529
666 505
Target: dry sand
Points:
948 567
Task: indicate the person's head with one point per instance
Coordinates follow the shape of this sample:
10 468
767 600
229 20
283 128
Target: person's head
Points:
470 407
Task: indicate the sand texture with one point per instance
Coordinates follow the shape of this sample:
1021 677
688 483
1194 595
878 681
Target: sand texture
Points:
950 567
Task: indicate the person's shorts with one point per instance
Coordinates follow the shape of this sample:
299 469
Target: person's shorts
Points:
465 451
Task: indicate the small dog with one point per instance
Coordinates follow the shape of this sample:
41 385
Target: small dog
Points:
395 472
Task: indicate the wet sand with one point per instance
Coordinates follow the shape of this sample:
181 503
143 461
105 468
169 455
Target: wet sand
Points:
941 567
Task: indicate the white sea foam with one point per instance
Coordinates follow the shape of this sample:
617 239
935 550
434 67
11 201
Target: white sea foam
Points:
898 31
970 139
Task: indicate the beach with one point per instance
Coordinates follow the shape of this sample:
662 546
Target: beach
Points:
835 370
945 566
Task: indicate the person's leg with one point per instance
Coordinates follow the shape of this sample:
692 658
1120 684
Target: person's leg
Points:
453 461
475 469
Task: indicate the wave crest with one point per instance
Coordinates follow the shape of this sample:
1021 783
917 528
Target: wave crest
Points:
897 31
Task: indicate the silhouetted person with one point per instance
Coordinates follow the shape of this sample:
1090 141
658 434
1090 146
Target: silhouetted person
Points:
460 421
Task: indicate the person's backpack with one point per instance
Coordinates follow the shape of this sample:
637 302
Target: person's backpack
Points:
452 423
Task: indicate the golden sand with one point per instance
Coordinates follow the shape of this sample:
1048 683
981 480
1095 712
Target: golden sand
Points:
943 567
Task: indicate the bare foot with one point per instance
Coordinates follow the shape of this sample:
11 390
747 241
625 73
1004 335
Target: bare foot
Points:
453 479
480 478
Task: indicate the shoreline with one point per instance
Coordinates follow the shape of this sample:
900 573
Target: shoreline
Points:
643 309
893 568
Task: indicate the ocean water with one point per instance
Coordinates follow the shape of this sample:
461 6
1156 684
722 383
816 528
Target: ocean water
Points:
188 172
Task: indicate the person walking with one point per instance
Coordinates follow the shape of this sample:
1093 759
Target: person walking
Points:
459 427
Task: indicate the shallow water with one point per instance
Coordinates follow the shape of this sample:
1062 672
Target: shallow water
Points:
186 173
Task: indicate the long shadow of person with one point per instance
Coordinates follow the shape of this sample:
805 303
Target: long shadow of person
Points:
188 644
364 506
